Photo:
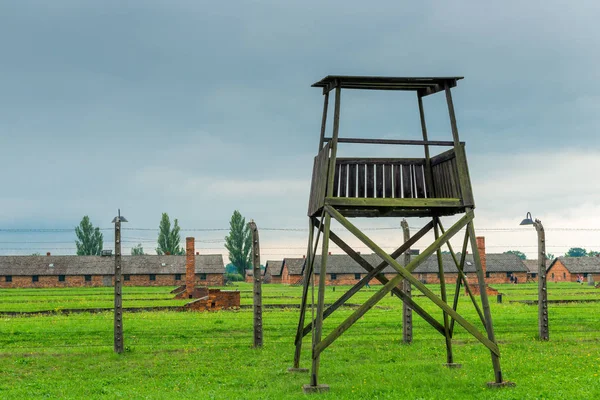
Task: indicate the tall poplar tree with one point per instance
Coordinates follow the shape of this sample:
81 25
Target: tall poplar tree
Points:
168 239
239 242
90 240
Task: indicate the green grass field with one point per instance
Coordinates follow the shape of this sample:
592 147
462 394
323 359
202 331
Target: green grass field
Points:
209 355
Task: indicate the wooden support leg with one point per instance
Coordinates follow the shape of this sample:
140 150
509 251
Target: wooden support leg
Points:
307 274
447 334
314 376
407 326
485 304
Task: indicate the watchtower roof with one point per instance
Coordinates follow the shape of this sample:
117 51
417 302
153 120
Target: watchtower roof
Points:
426 85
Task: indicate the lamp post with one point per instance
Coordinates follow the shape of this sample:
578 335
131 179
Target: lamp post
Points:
118 285
542 289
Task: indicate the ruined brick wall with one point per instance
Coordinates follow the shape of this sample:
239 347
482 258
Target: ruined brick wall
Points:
217 300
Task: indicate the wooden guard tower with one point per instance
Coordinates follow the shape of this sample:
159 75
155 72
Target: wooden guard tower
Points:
430 187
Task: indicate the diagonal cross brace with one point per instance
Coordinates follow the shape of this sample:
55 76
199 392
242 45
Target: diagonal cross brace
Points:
403 273
376 273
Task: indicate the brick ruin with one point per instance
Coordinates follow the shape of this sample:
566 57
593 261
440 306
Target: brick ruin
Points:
205 299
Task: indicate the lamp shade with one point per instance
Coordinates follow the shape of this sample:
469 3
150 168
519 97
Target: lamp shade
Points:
528 220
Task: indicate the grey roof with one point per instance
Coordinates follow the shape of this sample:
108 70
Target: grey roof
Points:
295 266
274 267
579 265
97 265
532 265
344 264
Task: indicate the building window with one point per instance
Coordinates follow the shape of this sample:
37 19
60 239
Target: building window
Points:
177 277
585 275
126 277
508 274
487 274
357 276
88 278
564 275
8 278
202 277
35 278
152 277
553 275
333 277
533 274
61 278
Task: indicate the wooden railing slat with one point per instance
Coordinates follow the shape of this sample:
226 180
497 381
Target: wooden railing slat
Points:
352 180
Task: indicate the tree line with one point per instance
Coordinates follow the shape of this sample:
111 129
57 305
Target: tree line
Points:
572 252
90 240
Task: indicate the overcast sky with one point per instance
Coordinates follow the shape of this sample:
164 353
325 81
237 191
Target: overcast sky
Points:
197 108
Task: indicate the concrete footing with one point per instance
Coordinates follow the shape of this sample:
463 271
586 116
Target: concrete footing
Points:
452 365
501 384
315 389
297 370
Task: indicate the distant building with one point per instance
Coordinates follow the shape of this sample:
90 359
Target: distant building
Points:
532 268
566 269
343 270
70 271
265 273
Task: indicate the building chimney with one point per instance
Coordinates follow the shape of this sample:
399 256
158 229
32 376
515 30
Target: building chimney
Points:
481 251
190 266
48 254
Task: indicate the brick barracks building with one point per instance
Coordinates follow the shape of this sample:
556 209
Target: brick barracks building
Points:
343 270
79 271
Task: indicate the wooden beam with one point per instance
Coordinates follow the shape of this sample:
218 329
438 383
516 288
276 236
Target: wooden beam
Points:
489 327
324 120
447 334
394 203
393 141
406 273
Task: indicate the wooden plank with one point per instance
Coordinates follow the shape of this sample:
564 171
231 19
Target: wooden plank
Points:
397 181
407 182
379 181
370 180
387 178
352 180
445 156
409 203
394 141
324 120
405 273
420 182
454 170
336 181
343 180
361 180
364 160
